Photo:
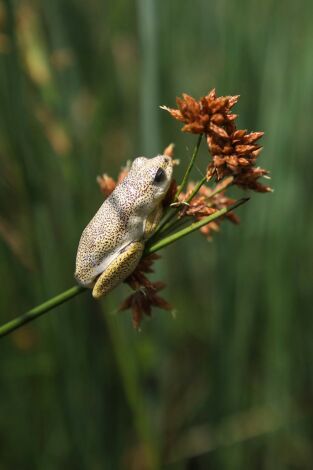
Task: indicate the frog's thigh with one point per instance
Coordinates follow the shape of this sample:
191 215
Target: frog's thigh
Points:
122 266
153 221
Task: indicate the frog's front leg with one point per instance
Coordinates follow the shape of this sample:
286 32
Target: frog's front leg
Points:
119 269
152 222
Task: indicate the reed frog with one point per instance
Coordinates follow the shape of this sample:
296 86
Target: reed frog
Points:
113 242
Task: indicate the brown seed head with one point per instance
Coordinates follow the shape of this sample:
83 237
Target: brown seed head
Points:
206 202
209 114
234 151
169 150
146 292
106 184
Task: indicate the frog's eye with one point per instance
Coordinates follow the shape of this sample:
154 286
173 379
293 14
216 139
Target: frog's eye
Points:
159 176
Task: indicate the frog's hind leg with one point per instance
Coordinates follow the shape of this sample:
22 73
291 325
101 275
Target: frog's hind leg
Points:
119 269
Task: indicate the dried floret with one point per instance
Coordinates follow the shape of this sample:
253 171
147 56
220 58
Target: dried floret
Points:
206 202
234 151
146 292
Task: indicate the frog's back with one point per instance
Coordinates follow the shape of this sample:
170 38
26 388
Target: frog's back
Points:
105 234
122 217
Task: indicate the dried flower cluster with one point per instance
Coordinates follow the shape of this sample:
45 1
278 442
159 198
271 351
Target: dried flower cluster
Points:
207 115
234 152
206 202
146 292
108 184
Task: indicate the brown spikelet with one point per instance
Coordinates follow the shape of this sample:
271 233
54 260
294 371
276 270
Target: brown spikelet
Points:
169 150
106 184
206 202
203 116
146 292
234 151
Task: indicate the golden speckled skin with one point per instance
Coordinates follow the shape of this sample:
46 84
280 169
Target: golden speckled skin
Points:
113 242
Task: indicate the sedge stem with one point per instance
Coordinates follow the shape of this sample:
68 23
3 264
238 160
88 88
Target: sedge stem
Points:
189 168
171 214
191 228
167 222
196 189
40 310
76 290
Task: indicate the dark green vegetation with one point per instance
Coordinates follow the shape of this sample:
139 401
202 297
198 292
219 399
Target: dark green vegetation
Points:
228 383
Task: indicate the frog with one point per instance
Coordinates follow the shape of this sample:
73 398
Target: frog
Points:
113 242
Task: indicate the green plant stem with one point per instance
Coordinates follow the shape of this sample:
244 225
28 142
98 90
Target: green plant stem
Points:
191 228
167 222
170 215
73 291
40 310
189 168
196 189
177 224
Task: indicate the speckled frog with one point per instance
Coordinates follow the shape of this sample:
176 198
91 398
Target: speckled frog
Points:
113 242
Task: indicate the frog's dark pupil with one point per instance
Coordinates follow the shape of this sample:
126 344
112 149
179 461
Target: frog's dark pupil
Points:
159 176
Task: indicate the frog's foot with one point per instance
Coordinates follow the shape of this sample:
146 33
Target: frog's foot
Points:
118 270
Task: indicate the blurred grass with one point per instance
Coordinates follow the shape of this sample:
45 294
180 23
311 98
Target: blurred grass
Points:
228 384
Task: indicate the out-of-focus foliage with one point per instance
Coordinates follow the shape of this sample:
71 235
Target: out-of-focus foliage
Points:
227 384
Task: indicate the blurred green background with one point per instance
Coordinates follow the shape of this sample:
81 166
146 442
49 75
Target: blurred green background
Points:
227 384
